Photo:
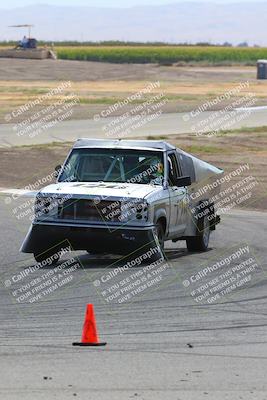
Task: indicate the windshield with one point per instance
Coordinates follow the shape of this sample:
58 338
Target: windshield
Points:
114 165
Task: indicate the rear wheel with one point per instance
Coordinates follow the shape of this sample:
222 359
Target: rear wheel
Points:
201 241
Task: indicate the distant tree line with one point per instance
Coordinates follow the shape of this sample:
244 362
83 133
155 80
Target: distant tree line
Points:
74 43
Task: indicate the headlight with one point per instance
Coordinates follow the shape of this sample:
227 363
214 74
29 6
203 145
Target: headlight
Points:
44 205
134 209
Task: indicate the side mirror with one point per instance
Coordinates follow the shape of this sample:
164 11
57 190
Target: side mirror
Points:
183 181
57 170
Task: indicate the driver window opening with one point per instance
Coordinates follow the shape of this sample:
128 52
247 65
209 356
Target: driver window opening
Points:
173 170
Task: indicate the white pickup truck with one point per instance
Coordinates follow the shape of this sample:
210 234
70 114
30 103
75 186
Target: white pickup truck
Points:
116 196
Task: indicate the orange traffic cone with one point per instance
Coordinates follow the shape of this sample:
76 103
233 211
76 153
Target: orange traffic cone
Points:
89 333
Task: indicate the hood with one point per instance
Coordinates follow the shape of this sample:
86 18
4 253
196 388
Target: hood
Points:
100 189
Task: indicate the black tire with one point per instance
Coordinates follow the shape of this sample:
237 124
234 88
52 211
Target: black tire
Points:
156 242
52 257
159 241
160 235
201 241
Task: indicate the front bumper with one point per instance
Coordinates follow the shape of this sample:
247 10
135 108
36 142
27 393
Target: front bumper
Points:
118 240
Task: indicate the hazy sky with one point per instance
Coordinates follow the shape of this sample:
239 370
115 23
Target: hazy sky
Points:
107 3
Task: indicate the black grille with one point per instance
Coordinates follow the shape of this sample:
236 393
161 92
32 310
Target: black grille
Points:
82 209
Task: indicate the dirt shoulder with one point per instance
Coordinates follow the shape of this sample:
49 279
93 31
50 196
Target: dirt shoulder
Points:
77 71
100 85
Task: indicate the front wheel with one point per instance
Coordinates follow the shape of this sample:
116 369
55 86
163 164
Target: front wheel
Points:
159 234
201 241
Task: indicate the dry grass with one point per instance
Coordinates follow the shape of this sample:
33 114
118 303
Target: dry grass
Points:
94 95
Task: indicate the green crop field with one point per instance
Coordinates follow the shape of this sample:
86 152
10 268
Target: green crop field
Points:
164 54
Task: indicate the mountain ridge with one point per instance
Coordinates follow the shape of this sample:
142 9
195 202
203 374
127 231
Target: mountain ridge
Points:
174 23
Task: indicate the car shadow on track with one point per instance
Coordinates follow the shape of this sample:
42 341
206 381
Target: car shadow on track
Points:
101 261
88 261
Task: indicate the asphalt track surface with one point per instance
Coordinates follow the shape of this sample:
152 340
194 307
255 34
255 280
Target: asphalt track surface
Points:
164 124
161 346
